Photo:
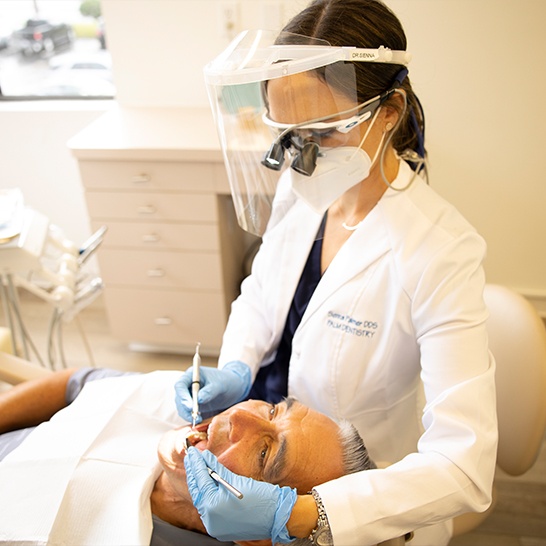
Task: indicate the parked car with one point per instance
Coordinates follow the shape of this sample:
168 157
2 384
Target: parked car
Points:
101 37
74 85
40 36
78 74
97 62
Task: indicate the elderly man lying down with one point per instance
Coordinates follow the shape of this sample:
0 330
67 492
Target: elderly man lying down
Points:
105 466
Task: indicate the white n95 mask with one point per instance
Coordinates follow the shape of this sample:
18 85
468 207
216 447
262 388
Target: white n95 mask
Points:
337 170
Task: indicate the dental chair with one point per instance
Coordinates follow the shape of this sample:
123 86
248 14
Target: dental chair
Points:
14 370
517 339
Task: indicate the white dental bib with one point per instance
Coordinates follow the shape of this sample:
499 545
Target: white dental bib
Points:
85 477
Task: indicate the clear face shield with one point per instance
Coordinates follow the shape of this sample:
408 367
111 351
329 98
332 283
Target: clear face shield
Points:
287 105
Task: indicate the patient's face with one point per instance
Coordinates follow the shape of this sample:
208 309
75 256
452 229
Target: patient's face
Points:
286 443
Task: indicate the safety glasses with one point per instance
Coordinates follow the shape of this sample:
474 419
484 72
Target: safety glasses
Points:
303 140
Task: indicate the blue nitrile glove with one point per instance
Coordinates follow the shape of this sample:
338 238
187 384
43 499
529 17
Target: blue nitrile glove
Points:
220 389
262 513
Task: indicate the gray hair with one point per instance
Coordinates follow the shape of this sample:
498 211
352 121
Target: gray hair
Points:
355 453
355 458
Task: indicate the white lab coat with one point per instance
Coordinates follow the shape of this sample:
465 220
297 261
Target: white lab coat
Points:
400 303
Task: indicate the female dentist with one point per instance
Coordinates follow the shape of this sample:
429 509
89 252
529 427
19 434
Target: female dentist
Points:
365 296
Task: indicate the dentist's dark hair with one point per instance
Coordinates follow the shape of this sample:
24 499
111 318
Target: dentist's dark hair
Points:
367 24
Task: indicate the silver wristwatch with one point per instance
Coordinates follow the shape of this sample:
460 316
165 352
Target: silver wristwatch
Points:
321 535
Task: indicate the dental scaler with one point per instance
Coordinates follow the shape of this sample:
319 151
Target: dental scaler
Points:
195 385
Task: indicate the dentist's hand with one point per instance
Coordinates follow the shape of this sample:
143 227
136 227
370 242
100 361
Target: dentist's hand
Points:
220 389
262 513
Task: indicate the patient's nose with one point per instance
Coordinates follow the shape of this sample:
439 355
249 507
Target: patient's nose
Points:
244 423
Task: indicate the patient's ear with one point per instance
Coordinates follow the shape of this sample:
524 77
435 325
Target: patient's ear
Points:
254 542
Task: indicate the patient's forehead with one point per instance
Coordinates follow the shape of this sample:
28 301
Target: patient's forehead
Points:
316 455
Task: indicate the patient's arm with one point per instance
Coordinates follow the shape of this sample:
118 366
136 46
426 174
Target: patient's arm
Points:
33 402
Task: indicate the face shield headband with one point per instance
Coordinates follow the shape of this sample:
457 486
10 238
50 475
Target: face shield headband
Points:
254 56
235 81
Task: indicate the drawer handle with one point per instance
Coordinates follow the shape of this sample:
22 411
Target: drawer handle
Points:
163 321
146 209
156 272
142 178
151 238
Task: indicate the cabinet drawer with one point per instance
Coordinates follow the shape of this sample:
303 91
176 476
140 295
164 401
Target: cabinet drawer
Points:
173 318
148 175
157 269
152 207
159 236
221 182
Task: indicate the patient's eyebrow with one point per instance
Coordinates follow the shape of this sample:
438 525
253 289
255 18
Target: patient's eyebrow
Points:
275 470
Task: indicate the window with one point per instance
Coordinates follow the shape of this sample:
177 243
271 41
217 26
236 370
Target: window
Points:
53 49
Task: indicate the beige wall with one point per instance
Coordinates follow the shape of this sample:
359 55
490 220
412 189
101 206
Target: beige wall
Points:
479 69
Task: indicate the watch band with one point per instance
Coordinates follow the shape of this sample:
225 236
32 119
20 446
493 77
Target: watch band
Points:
321 535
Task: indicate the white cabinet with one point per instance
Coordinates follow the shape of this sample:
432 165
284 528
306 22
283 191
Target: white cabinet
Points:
172 257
